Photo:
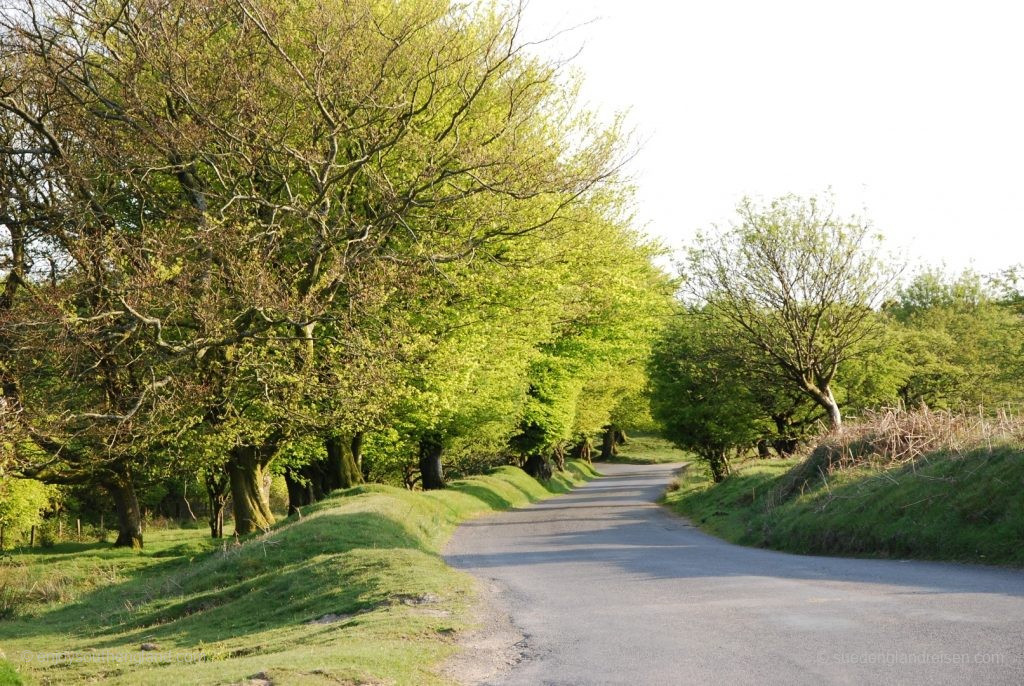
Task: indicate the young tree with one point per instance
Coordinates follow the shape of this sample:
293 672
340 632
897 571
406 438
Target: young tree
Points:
701 392
799 284
22 502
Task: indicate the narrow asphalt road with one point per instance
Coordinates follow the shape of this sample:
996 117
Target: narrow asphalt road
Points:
609 588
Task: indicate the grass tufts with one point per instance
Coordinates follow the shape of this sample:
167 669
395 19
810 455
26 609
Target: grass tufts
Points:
923 484
354 591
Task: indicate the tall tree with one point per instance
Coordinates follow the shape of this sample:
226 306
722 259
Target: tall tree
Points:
236 187
800 284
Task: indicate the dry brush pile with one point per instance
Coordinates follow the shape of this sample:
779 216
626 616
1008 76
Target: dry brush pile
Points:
896 437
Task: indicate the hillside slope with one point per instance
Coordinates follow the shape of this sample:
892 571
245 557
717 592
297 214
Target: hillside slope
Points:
352 592
945 500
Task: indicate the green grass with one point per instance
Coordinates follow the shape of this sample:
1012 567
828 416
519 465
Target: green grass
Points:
965 507
369 555
9 675
649 449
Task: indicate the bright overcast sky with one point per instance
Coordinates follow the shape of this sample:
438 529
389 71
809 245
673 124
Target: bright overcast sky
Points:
913 112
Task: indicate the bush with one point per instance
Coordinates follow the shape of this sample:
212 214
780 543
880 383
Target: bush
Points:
22 502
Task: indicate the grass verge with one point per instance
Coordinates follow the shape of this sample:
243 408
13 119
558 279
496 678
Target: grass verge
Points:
956 501
649 449
353 592
9 675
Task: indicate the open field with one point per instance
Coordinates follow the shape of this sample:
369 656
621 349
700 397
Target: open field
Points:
649 449
354 591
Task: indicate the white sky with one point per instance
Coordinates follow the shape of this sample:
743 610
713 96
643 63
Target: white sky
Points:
913 112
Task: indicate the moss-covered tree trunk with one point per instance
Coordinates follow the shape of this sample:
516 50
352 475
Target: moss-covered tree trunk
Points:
342 470
357 453
431 469
609 448
126 504
339 468
558 455
300 490
246 470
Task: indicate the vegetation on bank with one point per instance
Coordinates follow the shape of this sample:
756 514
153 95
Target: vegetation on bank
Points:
353 591
793 317
932 485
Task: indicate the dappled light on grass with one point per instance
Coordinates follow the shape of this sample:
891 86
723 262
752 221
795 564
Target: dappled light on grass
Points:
354 590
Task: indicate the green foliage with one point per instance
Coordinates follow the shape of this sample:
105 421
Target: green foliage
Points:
961 345
298 221
798 284
701 390
22 503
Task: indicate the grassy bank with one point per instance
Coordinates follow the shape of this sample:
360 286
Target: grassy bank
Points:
956 495
354 591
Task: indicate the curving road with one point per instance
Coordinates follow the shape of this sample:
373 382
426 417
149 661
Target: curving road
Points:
608 588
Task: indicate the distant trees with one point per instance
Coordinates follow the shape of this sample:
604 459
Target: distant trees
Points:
961 341
702 392
22 502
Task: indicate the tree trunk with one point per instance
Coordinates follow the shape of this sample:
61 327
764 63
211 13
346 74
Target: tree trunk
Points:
357 451
608 448
300 490
252 511
583 449
558 455
835 417
341 464
827 401
217 495
537 467
431 470
720 467
129 517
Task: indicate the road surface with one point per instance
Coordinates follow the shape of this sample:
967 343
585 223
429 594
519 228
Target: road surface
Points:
606 587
